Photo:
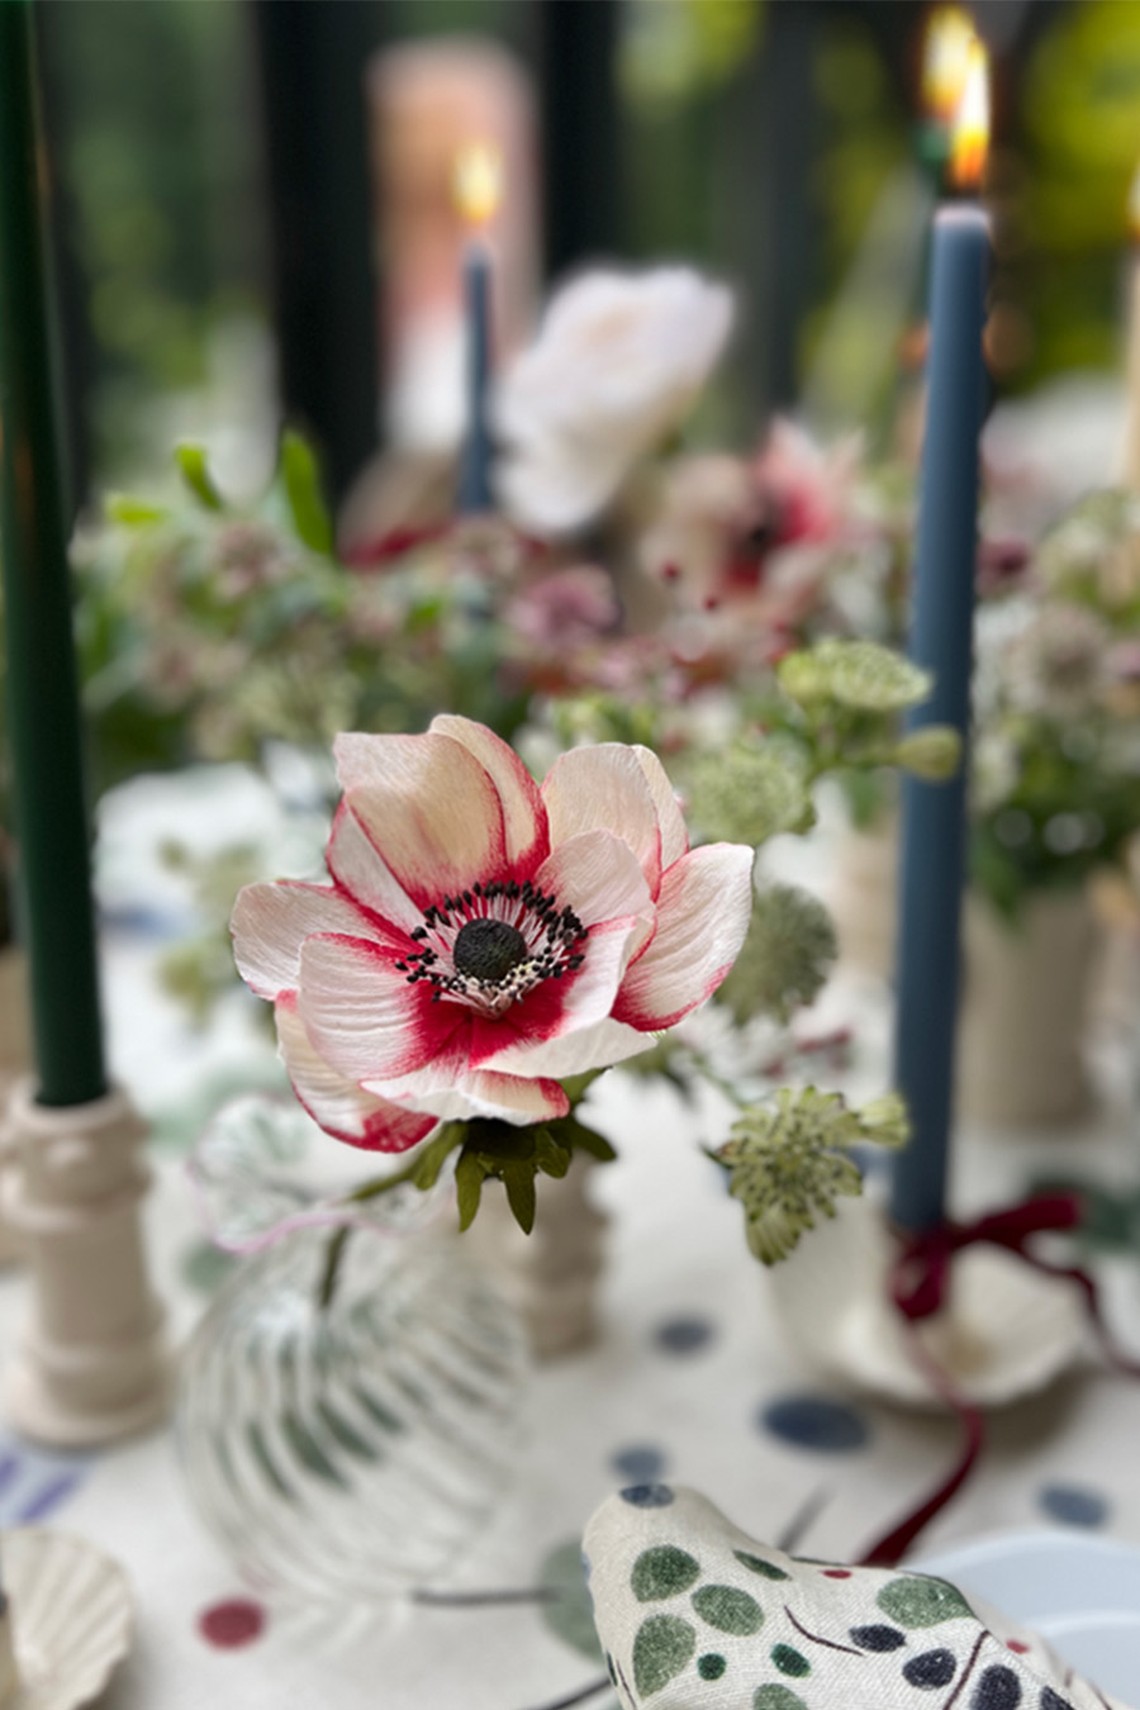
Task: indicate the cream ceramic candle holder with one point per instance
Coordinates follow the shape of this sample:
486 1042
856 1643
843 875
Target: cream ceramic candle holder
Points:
15 1060
1006 1332
552 1275
13 1250
92 1366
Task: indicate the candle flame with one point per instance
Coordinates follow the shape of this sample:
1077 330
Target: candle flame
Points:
478 182
946 62
1134 207
970 137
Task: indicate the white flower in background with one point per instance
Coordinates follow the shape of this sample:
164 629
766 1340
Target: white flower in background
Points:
998 626
619 360
995 768
1057 666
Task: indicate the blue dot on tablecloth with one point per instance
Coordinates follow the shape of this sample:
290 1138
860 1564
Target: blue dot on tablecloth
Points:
641 1463
814 1422
647 1495
683 1335
1074 1504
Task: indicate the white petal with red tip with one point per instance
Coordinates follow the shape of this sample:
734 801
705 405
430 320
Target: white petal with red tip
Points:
343 1109
524 816
361 1013
271 922
702 916
670 819
428 806
357 865
593 1047
598 875
514 1098
604 788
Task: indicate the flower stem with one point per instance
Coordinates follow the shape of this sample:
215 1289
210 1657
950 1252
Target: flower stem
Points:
714 1078
423 1171
334 1252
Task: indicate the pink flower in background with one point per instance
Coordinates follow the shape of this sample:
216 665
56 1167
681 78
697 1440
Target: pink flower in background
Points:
482 938
731 526
1004 563
565 609
804 490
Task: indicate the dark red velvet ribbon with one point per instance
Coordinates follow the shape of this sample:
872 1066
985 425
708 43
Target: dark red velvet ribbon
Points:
919 1282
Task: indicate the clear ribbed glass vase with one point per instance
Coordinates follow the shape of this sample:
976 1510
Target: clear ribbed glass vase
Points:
347 1454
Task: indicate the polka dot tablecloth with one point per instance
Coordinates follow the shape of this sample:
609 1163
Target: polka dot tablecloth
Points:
691 1382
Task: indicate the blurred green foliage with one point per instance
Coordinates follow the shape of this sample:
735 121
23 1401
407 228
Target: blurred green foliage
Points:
159 154
1079 110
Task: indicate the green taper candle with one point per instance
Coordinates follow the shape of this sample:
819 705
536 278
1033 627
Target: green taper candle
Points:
43 698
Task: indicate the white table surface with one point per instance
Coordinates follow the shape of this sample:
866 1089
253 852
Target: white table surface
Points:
626 1409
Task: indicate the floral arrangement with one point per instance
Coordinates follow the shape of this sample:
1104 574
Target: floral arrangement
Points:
1057 753
486 947
210 628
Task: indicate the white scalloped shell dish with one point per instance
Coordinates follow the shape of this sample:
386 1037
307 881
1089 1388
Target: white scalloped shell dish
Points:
1008 1331
72 1616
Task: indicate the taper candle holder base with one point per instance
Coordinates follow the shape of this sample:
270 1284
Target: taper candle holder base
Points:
92 1367
553 1276
1007 1332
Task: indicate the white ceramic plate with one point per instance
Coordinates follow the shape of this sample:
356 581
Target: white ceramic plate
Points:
1080 1593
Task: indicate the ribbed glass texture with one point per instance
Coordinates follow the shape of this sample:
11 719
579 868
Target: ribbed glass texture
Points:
345 1455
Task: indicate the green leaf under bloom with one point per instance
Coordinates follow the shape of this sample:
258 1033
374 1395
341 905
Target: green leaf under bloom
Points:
495 1150
469 1178
569 1132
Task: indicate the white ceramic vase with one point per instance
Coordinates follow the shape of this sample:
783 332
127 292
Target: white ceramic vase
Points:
1025 1010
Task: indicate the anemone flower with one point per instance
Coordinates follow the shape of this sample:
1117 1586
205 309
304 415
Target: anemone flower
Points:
483 938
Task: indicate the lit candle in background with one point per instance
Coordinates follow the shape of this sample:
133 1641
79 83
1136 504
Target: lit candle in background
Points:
478 185
1131 456
946 57
934 829
43 698
970 137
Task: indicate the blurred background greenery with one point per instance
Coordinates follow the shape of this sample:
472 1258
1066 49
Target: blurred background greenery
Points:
765 139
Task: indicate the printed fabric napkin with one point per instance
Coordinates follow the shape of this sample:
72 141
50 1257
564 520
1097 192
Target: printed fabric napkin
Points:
695 1615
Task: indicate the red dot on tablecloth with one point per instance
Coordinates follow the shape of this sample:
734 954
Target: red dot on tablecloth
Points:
1016 1645
229 1625
836 1573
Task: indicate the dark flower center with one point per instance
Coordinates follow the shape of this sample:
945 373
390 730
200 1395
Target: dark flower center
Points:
488 949
489 946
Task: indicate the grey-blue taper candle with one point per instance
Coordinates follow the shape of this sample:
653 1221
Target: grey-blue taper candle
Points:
934 816
475 471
